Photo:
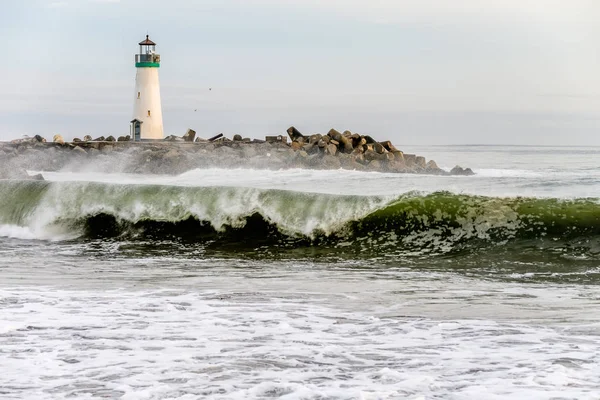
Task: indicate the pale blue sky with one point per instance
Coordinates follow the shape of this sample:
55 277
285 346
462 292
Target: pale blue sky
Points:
414 71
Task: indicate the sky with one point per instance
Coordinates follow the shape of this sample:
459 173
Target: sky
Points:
411 71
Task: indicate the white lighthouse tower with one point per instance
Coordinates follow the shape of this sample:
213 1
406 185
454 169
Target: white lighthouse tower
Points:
147 123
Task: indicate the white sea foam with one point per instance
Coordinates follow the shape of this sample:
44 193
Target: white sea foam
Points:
236 344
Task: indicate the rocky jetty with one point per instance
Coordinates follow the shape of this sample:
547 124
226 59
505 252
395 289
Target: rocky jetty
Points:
177 154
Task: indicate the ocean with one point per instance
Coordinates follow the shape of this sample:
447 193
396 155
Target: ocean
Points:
304 284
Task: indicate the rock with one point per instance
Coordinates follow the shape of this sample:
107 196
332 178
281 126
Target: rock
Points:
343 139
322 143
410 160
79 151
378 147
296 145
173 138
110 139
99 139
39 139
37 177
309 147
200 140
431 165
295 134
368 139
458 170
58 139
371 155
399 158
420 162
356 140
190 135
314 139
389 146
331 149
123 139
87 138
76 140
302 154
335 135
237 138
276 139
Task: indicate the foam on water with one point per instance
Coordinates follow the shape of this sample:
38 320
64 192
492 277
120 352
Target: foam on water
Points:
235 344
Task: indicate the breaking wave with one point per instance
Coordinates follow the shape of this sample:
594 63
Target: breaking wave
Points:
438 222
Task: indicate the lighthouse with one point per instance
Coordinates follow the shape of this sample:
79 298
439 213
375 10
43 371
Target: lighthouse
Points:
147 123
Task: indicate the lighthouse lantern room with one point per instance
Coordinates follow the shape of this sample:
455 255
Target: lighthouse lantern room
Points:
147 121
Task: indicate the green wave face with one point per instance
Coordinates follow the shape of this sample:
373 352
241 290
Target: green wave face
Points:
435 223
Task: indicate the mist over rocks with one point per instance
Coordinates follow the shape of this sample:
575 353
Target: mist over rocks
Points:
178 154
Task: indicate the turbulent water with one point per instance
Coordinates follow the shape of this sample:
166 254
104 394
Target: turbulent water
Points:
296 284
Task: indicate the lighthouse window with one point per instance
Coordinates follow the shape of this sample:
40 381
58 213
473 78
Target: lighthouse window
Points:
148 112
139 94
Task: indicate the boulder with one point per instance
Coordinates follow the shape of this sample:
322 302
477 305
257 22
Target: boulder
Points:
378 147
399 158
123 139
389 146
295 134
79 151
431 165
342 139
356 140
39 139
276 139
368 139
190 135
99 139
421 162
314 139
58 139
76 140
87 138
296 145
110 139
458 170
410 160
335 135
237 138
331 149
173 138
371 155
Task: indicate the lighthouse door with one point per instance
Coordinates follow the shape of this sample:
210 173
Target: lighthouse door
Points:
136 131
